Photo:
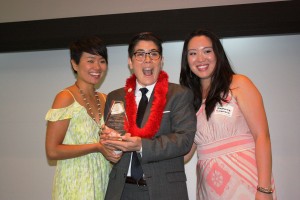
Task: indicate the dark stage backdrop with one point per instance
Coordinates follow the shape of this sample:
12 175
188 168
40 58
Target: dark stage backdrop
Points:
226 21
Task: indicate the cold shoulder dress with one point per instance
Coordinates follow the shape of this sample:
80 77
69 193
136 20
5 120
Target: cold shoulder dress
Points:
84 177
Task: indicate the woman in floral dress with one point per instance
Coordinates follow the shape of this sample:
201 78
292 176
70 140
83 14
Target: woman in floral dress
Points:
73 127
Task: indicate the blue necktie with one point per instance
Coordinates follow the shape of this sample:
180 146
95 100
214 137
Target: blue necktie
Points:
136 168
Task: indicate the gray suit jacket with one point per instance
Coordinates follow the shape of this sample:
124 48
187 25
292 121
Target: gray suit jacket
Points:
162 156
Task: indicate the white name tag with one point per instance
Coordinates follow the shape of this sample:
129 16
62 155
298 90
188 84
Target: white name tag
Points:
226 110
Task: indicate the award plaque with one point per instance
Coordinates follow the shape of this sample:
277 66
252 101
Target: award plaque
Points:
116 119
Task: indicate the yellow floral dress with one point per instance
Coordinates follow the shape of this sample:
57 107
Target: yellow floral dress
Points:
84 177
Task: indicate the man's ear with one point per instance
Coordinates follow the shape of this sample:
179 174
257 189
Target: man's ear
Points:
162 62
130 63
74 65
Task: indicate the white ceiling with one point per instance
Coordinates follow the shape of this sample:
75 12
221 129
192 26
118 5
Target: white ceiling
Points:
21 10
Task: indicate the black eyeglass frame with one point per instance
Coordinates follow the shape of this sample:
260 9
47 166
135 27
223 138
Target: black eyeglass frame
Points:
146 53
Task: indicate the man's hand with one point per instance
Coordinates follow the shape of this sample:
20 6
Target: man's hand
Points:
109 134
127 143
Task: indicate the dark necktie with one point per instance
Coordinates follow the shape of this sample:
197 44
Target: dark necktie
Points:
136 168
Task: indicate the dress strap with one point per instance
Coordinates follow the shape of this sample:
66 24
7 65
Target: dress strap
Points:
102 101
225 146
70 93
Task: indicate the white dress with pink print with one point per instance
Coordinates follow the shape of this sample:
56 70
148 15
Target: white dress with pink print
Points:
226 167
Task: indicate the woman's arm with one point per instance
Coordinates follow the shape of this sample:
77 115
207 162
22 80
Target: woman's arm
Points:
190 154
56 131
251 105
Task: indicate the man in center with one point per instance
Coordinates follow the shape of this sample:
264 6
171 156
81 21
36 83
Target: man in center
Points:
152 165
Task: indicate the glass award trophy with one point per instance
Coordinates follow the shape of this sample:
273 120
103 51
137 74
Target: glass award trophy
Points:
116 119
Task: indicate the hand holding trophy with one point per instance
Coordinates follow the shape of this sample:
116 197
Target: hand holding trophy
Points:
115 122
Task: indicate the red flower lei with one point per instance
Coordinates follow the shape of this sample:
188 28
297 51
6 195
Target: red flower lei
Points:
152 125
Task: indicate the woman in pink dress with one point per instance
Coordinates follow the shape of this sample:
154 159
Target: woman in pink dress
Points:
232 139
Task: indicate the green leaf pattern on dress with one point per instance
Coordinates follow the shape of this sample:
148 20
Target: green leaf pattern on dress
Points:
84 177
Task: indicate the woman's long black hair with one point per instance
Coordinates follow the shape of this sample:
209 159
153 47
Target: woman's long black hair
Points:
220 79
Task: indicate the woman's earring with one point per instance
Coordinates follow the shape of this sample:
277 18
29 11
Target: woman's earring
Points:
191 74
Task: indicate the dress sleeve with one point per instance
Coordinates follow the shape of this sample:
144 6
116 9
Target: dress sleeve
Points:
59 114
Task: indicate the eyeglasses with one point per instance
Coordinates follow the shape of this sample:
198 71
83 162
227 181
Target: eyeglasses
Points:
141 55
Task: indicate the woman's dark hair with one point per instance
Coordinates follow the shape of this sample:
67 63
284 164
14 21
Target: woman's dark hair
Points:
146 36
220 79
90 44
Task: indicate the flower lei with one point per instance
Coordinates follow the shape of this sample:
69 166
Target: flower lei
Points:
152 125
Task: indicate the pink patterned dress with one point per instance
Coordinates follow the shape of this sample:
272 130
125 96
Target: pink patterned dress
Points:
226 167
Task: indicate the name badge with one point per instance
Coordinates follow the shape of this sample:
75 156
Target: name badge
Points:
226 110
